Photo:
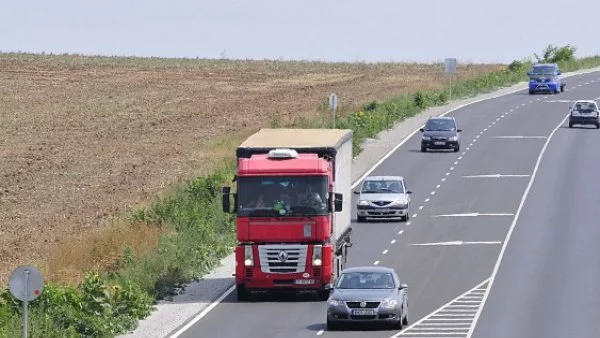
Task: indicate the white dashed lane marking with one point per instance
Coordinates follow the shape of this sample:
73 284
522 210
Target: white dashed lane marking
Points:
451 320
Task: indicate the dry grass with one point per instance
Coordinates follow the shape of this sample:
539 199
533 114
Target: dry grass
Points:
83 139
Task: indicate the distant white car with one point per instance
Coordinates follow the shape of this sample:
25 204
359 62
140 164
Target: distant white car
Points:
383 197
584 112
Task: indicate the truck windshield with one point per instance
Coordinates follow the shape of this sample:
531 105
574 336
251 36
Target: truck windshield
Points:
542 70
282 196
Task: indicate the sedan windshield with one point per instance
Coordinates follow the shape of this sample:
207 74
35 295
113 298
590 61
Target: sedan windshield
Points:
366 280
380 186
282 196
440 125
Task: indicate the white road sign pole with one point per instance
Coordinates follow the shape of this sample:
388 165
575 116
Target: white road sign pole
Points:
450 68
333 103
26 304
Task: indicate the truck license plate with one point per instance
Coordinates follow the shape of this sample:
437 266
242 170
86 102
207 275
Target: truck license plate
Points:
304 281
363 312
439 143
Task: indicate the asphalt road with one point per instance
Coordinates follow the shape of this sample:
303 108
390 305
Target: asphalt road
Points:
547 283
438 273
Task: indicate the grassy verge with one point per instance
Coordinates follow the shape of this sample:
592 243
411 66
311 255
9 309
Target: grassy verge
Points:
194 234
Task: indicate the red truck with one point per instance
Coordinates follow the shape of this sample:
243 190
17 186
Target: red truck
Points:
292 203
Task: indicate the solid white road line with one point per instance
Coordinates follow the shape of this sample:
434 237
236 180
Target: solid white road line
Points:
473 214
203 313
514 223
493 176
519 137
455 243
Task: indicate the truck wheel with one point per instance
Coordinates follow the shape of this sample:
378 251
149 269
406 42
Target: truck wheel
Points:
423 149
531 92
242 293
562 88
570 125
361 219
405 320
597 125
323 295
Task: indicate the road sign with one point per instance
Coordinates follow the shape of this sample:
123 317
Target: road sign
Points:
26 283
450 66
333 101
333 104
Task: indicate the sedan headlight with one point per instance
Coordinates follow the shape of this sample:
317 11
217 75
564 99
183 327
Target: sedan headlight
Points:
363 203
453 138
335 302
401 203
389 303
426 138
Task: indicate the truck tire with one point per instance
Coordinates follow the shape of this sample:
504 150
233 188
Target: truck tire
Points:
361 219
323 295
562 88
243 294
531 92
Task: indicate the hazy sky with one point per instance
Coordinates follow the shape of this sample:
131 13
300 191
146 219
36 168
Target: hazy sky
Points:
348 30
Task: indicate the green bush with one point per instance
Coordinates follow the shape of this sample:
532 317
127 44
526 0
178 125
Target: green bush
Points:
93 309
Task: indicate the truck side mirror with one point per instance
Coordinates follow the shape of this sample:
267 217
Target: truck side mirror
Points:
558 73
338 202
226 200
528 73
403 286
422 129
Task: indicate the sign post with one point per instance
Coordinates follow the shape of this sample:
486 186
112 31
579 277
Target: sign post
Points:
450 68
333 104
26 284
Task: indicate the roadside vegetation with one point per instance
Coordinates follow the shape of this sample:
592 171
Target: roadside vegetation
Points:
192 233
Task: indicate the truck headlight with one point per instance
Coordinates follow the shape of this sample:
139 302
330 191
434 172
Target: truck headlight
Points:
363 203
317 256
389 303
248 257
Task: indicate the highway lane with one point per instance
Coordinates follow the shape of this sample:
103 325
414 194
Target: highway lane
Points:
547 283
435 275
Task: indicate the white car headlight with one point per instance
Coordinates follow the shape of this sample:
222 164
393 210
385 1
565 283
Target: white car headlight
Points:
401 203
453 138
389 303
426 138
334 302
363 203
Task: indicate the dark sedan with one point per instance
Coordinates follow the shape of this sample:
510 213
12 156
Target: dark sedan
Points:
440 132
368 295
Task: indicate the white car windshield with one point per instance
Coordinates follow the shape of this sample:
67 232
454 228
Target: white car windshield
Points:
585 107
381 186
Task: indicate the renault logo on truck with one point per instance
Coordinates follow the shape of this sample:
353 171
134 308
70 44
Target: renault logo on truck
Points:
283 256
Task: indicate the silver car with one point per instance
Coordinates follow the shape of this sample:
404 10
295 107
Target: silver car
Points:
383 197
369 294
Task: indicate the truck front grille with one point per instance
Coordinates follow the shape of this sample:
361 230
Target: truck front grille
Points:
282 258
